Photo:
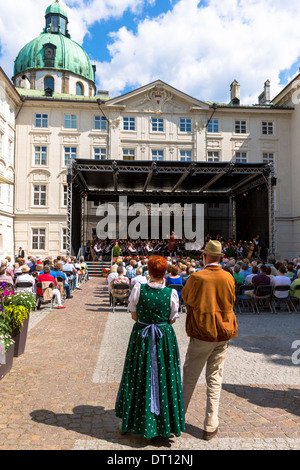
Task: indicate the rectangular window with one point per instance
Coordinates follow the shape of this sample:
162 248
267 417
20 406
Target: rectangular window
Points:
268 157
70 154
157 155
185 125
65 195
99 153
39 195
38 238
213 125
185 155
128 154
64 239
157 124
213 156
267 128
41 120
9 194
128 123
100 123
240 127
241 157
70 121
40 155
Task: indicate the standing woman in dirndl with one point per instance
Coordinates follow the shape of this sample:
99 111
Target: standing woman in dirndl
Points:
150 400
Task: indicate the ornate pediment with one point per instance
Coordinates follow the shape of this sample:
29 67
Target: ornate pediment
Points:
157 98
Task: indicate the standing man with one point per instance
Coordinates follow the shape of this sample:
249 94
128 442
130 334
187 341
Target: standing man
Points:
210 324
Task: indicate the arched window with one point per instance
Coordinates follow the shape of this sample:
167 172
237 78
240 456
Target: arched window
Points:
49 83
79 88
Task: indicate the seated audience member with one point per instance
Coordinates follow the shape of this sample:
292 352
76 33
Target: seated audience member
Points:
131 270
260 279
139 278
281 280
4 277
293 291
120 279
174 278
69 267
290 272
59 274
46 277
245 270
18 267
255 271
111 276
25 277
239 278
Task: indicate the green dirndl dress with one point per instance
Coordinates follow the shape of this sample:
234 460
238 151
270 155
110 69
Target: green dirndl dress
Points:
150 400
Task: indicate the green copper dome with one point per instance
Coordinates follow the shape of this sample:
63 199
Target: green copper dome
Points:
54 49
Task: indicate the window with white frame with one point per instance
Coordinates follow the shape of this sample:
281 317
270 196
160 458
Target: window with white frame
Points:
267 128
185 155
268 157
41 120
70 121
1 143
157 155
64 239
157 125
70 154
38 238
100 123
213 125
213 156
185 125
65 195
241 157
240 127
9 194
128 154
39 194
40 155
10 150
100 153
128 124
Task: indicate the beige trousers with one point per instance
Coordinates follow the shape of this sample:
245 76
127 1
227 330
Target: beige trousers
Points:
213 355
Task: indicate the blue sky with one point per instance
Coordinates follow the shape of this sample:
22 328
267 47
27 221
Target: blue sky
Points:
199 47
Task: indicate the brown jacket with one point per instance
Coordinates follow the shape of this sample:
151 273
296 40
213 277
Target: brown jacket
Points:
210 296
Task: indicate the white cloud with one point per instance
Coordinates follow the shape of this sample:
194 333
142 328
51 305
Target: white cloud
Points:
201 50
198 47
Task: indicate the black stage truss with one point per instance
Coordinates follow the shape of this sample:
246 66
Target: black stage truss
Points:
165 181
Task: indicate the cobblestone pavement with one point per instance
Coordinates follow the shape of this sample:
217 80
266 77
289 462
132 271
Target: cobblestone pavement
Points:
60 394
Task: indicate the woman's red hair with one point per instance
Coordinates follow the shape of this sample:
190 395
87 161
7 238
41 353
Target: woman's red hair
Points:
157 266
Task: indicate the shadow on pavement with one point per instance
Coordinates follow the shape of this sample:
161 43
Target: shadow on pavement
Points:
95 422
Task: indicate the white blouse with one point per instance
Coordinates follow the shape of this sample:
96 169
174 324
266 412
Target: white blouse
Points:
174 302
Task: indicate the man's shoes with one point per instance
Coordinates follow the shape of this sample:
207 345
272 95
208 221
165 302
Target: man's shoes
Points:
207 436
61 306
70 297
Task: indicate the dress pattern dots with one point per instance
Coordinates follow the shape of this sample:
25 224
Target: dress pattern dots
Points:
133 403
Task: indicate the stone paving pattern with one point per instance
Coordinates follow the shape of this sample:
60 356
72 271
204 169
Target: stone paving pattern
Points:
60 394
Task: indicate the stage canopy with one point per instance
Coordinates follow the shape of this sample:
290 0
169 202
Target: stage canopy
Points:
108 179
165 181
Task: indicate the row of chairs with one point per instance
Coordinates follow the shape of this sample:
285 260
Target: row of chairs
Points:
123 297
265 298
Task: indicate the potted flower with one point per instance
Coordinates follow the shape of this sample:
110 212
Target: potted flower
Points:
6 346
105 272
18 311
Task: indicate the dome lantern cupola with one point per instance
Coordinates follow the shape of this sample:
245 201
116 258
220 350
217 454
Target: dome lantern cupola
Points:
56 19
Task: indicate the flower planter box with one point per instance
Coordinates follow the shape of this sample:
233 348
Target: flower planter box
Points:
19 337
9 357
